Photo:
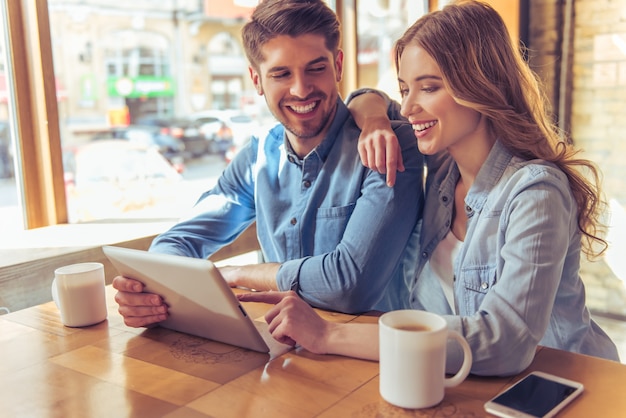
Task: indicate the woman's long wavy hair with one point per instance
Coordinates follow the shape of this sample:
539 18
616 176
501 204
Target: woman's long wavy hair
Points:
484 71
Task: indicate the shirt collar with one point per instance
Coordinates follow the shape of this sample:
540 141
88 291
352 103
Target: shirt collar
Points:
489 175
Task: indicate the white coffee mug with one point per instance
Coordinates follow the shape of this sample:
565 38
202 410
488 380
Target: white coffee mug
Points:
413 358
78 291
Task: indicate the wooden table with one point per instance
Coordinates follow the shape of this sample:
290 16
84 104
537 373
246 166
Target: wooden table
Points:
110 370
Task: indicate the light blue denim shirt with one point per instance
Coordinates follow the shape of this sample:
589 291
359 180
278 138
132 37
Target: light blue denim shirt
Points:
517 282
339 231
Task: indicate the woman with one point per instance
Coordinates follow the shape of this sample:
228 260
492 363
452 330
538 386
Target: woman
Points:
506 215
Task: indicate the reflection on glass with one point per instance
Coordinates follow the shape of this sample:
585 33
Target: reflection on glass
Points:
380 23
144 72
11 216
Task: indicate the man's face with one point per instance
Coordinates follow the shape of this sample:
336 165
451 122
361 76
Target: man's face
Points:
299 79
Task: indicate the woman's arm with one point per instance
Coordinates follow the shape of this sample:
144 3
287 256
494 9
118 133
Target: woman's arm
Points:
378 145
292 321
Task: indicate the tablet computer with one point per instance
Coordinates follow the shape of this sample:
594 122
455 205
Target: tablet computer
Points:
200 301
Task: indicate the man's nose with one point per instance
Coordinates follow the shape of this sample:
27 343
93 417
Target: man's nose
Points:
301 86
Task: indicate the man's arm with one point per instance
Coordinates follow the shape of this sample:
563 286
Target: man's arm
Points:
355 275
219 216
255 276
217 219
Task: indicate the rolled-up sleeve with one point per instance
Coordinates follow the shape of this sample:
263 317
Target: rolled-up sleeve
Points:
220 214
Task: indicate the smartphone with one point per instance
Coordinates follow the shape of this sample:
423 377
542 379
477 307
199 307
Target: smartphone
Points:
538 394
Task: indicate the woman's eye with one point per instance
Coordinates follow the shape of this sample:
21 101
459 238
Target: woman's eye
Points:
404 92
430 89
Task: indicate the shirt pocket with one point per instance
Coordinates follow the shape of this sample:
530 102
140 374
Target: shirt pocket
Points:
330 226
476 282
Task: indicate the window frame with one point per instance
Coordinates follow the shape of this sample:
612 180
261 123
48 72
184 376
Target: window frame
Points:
38 140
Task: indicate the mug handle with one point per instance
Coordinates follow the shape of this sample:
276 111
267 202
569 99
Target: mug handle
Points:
467 361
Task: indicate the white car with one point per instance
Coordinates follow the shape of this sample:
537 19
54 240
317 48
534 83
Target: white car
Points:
113 179
218 125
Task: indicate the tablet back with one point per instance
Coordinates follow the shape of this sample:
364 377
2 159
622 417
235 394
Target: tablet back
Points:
200 301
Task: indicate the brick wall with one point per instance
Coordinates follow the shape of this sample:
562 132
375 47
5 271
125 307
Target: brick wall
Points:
595 105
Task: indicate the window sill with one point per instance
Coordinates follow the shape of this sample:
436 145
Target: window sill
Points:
28 258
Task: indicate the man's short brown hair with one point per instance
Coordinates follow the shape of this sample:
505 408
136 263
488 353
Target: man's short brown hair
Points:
293 18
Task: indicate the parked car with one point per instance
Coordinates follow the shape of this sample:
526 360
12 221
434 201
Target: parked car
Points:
111 179
6 154
184 129
225 128
173 149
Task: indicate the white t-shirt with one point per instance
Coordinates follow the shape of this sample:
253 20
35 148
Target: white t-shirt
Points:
441 265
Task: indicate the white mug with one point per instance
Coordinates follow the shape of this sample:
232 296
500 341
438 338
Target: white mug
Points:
413 358
78 291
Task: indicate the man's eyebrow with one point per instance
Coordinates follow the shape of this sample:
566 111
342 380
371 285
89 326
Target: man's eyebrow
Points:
285 68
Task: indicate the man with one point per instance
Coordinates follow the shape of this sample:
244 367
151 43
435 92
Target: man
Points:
329 228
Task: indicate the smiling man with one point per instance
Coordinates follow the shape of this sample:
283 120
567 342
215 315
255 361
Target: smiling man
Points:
329 228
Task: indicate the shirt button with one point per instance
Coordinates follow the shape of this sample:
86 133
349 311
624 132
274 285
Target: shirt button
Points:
424 254
294 221
307 184
444 199
290 158
468 208
484 285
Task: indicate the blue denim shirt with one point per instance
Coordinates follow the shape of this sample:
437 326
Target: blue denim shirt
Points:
339 231
517 282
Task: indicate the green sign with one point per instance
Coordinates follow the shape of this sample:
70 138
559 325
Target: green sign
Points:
141 86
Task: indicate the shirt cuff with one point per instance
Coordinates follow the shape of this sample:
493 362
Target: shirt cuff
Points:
288 275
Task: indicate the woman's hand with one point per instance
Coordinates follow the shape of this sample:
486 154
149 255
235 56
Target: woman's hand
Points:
292 321
379 148
378 144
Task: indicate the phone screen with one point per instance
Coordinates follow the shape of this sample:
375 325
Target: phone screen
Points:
535 395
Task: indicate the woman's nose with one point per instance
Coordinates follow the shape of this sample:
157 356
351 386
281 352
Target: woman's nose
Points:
409 107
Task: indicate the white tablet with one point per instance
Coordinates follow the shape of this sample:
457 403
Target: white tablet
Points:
200 301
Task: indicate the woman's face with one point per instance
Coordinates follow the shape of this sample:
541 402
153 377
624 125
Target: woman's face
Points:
439 122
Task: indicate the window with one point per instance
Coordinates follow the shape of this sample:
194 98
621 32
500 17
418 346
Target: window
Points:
11 217
144 71
379 24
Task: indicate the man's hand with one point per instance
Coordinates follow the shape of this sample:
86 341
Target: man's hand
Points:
292 321
138 309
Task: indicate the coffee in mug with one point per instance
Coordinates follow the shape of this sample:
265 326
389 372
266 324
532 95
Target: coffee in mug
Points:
413 358
78 290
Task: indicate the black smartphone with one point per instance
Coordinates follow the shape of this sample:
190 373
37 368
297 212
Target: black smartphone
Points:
538 394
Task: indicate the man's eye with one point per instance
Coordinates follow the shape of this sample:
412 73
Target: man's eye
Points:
279 75
317 69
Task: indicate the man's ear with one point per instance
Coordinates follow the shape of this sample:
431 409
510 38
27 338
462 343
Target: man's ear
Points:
339 64
256 80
